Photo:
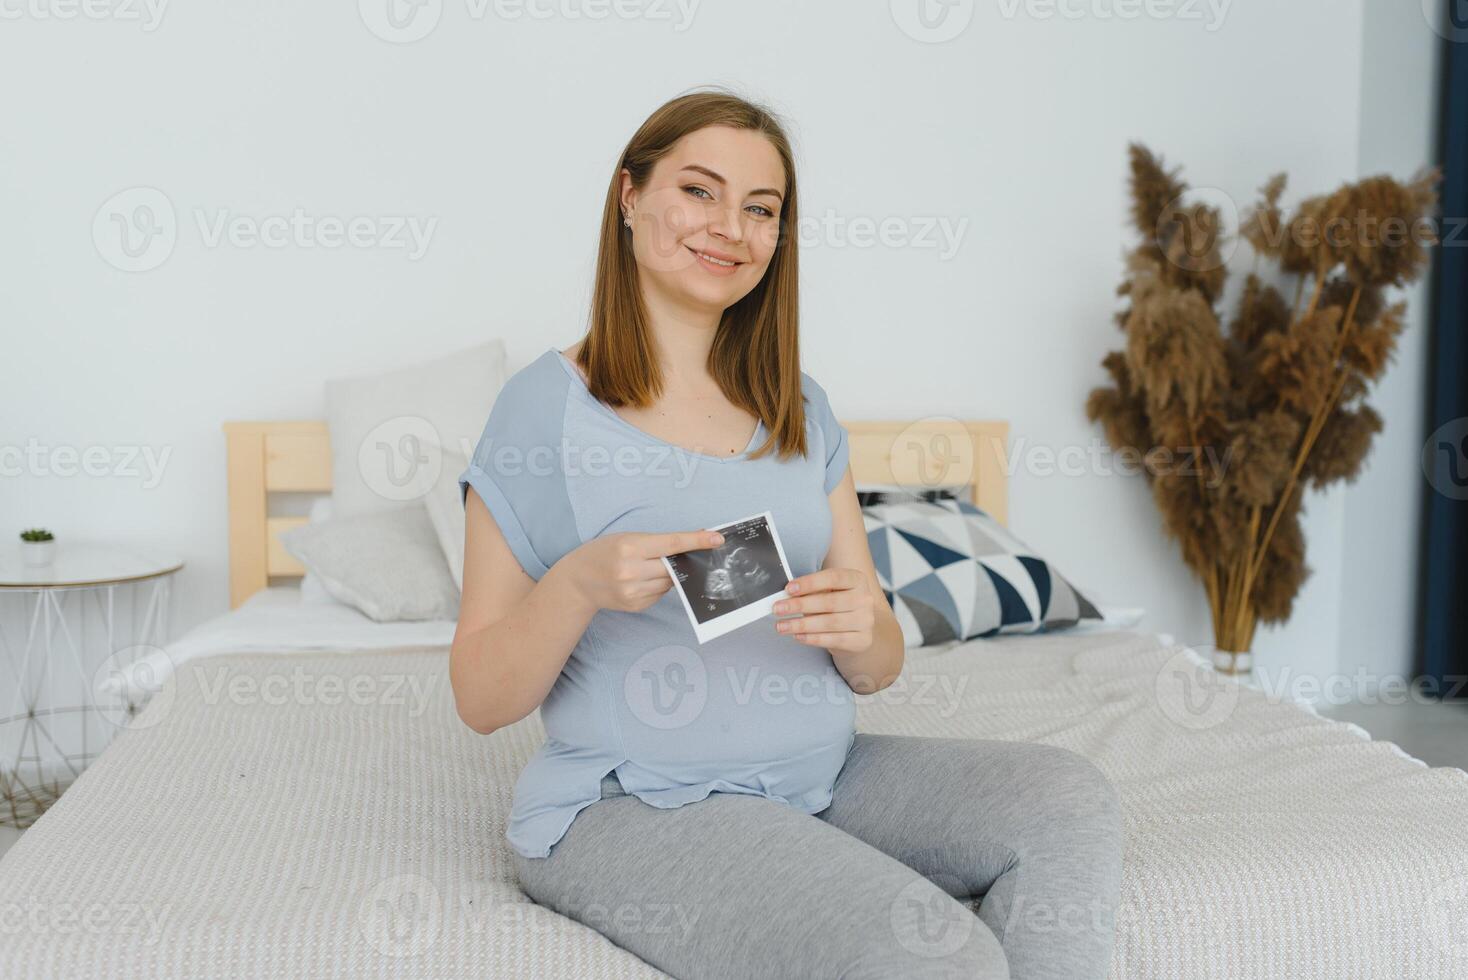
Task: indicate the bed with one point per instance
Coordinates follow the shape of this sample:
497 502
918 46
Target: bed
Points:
300 799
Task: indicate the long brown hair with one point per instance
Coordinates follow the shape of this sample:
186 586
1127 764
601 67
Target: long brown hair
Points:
755 356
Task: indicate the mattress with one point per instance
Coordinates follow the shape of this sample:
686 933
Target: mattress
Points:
259 818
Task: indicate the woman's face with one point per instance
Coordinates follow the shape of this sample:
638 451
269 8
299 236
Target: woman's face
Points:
705 226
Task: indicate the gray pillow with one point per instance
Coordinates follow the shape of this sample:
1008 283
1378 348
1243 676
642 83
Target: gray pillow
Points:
387 564
445 509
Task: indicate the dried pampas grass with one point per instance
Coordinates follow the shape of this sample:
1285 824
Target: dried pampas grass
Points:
1279 393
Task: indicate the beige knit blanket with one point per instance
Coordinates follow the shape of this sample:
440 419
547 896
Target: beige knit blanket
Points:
319 815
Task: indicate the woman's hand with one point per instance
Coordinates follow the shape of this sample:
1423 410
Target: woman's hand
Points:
838 606
625 571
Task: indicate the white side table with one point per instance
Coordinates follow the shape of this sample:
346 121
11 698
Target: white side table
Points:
50 723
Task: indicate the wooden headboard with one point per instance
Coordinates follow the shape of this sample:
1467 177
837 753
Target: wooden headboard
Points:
295 457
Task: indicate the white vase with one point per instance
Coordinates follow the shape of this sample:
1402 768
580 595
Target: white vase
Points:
1239 666
37 554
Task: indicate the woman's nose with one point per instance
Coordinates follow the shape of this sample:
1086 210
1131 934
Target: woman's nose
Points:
727 223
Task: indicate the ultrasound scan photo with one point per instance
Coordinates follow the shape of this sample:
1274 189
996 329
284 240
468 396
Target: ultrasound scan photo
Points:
735 583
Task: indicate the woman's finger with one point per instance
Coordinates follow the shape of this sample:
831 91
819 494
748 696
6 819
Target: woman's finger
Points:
841 601
647 587
825 580
853 640
840 622
647 570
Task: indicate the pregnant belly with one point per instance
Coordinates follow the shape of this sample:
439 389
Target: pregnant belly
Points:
640 684
732 708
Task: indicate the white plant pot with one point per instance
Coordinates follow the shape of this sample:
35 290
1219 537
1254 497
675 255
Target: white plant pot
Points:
37 554
1239 666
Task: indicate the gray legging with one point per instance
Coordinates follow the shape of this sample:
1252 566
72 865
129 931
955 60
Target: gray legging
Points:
874 885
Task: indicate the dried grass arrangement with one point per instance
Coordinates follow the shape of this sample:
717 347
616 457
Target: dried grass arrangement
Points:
1279 393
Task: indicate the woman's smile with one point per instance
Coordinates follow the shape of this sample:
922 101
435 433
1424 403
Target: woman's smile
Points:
716 263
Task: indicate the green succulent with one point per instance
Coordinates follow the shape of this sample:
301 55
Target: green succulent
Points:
37 534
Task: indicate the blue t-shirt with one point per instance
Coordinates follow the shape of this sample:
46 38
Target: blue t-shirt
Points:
752 711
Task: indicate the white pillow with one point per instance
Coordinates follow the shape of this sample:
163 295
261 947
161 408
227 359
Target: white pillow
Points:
446 512
313 592
387 564
386 429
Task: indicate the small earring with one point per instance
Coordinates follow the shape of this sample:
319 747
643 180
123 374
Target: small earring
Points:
627 218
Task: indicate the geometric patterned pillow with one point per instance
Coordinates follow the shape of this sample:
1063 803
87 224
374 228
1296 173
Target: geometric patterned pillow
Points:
950 571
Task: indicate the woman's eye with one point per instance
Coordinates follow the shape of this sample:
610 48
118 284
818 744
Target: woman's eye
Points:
698 191
762 211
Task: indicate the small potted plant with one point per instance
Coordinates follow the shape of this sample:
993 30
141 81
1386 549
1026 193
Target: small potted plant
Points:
37 546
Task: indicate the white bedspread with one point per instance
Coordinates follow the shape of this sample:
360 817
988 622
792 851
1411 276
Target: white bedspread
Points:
318 815
274 620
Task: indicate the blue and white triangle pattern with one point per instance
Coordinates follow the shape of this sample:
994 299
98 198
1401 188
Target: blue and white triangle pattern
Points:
950 571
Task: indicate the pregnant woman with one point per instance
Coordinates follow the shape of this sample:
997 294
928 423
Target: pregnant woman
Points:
709 807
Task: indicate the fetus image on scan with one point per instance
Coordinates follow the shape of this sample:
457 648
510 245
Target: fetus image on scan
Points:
746 567
734 575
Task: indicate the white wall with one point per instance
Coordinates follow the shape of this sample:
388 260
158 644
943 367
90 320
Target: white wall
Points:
1380 530
504 132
